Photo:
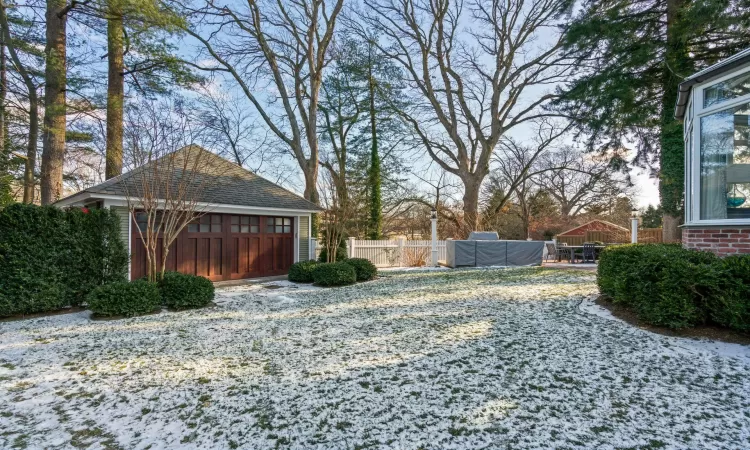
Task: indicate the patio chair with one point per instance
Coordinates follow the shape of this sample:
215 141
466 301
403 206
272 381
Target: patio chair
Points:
551 251
588 252
564 252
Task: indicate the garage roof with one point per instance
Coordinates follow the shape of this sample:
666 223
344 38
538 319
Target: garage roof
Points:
221 182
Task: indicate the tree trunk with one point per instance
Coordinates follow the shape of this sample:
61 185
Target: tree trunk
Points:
471 206
53 144
375 225
115 89
28 176
672 159
3 84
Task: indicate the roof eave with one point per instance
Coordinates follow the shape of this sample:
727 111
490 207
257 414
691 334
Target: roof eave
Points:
720 68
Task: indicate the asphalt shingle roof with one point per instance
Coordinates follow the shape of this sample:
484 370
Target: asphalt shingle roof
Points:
220 182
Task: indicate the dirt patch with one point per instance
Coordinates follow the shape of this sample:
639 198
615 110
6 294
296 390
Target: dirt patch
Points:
712 332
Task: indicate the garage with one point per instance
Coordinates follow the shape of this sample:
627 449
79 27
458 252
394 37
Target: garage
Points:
245 226
224 247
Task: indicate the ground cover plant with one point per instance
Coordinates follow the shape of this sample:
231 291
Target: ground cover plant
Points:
668 285
435 359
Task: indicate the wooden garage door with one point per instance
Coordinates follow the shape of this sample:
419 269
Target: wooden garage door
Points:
226 247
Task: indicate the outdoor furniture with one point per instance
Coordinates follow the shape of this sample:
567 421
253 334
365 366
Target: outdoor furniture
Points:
484 253
565 252
551 251
589 252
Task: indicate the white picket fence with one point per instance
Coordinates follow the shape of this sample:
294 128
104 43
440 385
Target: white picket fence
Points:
389 253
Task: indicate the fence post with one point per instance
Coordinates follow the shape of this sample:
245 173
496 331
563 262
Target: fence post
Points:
351 248
401 242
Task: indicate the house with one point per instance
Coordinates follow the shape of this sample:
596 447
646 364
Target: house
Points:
249 227
714 105
595 225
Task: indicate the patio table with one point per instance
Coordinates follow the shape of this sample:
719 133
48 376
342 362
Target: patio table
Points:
575 248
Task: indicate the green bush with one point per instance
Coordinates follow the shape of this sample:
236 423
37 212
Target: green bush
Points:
364 268
670 286
180 291
124 298
334 274
301 272
51 258
341 254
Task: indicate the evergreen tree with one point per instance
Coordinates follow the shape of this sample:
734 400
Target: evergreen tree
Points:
632 55
651 217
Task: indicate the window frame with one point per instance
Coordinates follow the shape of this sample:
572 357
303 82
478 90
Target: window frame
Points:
693 116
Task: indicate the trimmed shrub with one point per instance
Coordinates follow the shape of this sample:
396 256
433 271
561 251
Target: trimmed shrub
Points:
51 258
180 291
334 274
124 298
670 286
364 268
302 272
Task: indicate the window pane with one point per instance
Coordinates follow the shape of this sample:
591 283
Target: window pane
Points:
245 228
287 221
216 228
205 228
254 229
245 220
215 218
254 220
235 220
287 229
279 228
725 164
279 221
193 228
727 90
269 229
269 220
235 228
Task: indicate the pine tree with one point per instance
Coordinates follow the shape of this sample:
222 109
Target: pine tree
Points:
633 55
375 223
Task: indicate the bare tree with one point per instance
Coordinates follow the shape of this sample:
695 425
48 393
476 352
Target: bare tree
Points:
472 84
276 52
578 180
225 117
172 178
335 218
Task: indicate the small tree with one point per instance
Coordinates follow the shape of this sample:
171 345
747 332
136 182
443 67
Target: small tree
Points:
173 179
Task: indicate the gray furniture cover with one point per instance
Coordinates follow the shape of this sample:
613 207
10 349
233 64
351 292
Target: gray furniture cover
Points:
494 253
491 253
483 236
460 253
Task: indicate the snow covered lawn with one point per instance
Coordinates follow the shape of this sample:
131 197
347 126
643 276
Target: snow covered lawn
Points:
438 359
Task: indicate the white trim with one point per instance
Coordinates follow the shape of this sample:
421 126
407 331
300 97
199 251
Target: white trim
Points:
693 154
120 200
130 245
296 239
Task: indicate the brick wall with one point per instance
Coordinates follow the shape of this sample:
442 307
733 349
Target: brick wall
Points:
722 241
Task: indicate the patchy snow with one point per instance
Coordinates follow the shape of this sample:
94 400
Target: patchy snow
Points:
435 359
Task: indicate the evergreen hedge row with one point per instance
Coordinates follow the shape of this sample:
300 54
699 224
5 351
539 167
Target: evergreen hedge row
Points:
52 258
670 286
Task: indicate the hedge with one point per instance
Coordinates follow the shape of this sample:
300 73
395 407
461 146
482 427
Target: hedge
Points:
302 272
670 286
180 291
363 267
51 258
125 299
334 274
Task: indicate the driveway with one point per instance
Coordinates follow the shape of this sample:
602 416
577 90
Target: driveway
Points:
437 359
